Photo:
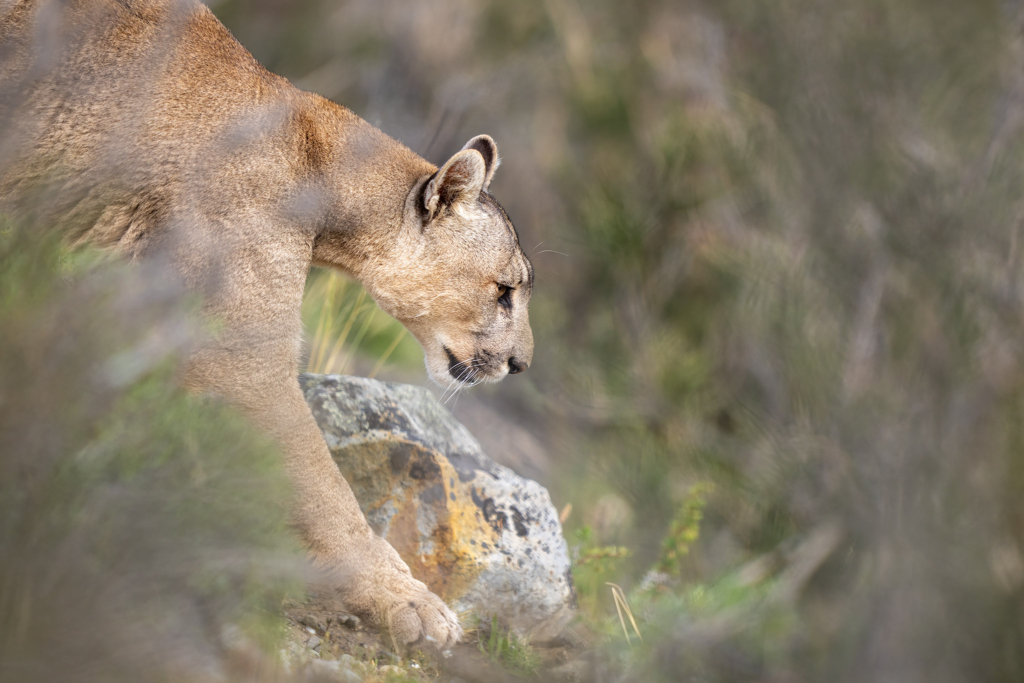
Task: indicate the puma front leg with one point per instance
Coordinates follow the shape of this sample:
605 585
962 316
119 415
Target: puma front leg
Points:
254 366
371 578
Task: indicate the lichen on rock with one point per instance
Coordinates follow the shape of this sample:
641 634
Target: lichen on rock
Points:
483 538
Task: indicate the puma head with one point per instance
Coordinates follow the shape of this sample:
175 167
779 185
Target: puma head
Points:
458 279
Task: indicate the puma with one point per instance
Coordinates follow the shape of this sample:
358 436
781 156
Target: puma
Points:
144 127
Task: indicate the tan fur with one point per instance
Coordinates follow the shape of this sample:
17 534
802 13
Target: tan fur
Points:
142 125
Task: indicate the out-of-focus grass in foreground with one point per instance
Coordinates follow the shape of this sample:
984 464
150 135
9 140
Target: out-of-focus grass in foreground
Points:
140 528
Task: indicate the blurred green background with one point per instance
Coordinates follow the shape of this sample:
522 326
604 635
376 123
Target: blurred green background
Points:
778 388
778 307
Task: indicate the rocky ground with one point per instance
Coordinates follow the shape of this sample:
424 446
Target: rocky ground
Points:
331 645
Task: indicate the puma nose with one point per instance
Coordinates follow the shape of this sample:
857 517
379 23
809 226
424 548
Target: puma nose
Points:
516 366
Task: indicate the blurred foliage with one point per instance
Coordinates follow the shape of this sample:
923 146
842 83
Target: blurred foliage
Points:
592 566
684 530
793 270
137 524
723 632
777 250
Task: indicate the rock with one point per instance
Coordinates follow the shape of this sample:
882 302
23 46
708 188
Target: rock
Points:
348 620
313 623
480 536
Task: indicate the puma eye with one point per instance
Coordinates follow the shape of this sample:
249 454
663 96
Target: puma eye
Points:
505 296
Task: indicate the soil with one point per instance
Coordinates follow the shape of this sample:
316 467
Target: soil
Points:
320 629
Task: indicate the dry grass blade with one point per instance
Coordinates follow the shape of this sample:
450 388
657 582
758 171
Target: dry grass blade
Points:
621 605
342 317
350 319
367 320
387 353
564 514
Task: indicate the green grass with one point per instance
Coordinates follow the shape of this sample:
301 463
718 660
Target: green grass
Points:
509 650
342 321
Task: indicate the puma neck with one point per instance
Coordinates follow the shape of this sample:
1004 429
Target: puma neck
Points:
364 180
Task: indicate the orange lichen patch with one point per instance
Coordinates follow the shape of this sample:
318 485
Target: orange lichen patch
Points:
437 528
365 467
468 536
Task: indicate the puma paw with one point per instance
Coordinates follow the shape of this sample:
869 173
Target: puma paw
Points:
386 594
417 617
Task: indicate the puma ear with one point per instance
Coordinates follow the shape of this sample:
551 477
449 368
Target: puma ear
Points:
462 177
489 151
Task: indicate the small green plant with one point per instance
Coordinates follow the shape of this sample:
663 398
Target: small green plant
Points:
684 530
593 566
509 650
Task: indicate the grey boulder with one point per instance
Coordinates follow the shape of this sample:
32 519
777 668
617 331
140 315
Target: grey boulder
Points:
483 538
